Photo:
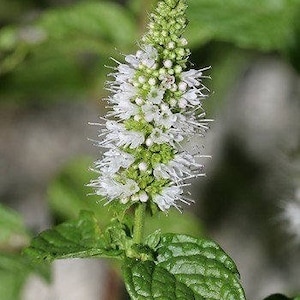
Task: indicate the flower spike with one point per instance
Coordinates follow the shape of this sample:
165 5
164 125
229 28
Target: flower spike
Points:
156 104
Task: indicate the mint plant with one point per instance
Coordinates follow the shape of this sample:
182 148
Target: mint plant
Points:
156 105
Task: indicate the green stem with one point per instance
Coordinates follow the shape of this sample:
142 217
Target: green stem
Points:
139 222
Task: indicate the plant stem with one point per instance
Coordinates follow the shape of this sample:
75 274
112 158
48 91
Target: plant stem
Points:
139 222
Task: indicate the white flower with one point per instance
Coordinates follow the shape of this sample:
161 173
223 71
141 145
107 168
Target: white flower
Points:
124 92
118 135
130 188
108 187
151 111
133 139
133 60
162 171
168 197
124 110
149 57
167 81
193 77
166 118
125 73
113 160
156 95
182 167
143 197
158 136
192 96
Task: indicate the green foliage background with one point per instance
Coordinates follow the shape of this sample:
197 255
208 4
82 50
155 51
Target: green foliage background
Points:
52 52
66 46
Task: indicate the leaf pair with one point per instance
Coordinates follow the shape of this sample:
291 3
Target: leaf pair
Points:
169 266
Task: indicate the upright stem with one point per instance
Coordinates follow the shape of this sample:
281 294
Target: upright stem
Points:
139 222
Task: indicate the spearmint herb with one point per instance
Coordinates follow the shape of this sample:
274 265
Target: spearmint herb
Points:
156 105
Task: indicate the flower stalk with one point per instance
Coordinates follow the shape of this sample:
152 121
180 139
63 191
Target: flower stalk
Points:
139 222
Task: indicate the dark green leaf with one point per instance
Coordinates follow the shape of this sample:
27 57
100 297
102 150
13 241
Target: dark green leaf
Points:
185 268
73 239
146 280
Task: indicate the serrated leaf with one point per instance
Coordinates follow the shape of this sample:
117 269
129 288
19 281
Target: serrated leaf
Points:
73 239
185 268
146 280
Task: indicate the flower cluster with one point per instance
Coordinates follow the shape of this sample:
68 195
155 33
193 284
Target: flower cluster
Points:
156 104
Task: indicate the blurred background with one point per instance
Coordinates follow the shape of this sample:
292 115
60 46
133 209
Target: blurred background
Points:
52 58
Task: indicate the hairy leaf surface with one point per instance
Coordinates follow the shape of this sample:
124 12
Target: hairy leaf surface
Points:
185 268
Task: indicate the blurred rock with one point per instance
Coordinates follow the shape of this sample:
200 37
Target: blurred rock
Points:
35 143
73 279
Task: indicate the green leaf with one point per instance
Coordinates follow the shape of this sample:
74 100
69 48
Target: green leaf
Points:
185 268
262 25
73 239
146 280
